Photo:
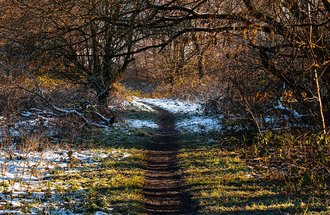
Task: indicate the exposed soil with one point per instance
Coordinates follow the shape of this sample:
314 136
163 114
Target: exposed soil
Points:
163 187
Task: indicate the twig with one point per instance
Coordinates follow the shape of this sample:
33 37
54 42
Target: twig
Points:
67 111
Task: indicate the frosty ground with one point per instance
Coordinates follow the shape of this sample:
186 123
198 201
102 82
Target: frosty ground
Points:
106 177
27 177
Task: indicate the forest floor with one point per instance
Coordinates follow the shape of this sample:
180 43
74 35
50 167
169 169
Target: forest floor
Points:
161 152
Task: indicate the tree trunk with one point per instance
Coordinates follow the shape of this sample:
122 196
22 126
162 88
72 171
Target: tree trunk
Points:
102 96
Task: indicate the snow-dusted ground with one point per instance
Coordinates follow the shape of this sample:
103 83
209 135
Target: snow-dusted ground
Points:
199 124
24 175
280 106
171 105
138 123
193 119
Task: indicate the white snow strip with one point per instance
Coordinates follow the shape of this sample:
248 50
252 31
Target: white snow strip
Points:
12 212
172 105
199 124
26 113
137 123
280 106
100 213
141 106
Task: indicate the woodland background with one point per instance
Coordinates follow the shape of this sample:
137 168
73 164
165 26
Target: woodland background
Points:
263 65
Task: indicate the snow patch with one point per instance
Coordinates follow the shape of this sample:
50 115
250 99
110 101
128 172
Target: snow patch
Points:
23 174
195 121
280 106
141 106
171 105
199 124
100 213
137 123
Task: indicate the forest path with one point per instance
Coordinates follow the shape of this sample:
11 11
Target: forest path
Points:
163 188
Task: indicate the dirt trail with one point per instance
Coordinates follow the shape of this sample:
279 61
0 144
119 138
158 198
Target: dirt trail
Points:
163 188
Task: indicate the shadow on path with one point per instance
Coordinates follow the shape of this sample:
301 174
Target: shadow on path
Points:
163 187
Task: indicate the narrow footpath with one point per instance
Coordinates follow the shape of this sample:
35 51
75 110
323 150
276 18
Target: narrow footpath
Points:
163 187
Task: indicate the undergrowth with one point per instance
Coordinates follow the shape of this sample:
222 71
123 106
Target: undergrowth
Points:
302 160
275 175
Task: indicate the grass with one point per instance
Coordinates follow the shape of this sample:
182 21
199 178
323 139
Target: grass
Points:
222 182
113 186
217 174
110 184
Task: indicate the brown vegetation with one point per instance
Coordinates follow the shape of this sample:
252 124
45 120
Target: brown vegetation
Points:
262 64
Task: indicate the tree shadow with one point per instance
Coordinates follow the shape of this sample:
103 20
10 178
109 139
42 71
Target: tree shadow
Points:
222 183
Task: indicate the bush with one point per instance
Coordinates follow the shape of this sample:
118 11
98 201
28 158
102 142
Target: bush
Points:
302 160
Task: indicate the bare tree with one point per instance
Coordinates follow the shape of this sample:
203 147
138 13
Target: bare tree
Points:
92 43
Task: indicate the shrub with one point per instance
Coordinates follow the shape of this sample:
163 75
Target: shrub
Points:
302 159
